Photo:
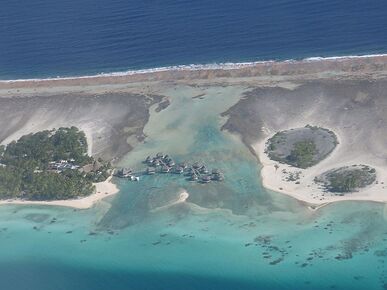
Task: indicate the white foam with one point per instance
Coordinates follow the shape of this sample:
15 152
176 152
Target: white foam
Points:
196 67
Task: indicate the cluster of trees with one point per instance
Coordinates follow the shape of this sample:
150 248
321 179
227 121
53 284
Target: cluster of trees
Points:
343 183
24 166
349 180
45 146
302 154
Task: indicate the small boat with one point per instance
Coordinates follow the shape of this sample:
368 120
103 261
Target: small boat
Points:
150 171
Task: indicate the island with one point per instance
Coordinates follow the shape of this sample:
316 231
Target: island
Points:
50 165
347 179
301 147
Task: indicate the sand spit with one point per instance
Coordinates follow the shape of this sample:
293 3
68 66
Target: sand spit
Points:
181 198
103 190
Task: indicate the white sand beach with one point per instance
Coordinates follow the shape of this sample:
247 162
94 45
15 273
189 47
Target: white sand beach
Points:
274 174
103 190
345 95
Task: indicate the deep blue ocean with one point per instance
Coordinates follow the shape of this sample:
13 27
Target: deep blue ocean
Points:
46 38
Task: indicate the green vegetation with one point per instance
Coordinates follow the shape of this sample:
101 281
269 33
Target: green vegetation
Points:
302 154
49 165
347 179
342 183
40 148
301 147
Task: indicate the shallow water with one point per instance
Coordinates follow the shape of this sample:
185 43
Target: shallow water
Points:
230 235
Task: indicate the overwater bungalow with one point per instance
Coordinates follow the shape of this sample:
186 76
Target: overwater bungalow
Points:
124 173
194 177
217 177
196 172
165 169
196 165
179 170
148 160
183 165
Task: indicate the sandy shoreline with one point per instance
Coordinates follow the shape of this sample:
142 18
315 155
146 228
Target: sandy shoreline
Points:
344 94
308 191
203 67
103 190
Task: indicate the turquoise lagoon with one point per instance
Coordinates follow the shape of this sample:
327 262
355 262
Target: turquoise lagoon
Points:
229 235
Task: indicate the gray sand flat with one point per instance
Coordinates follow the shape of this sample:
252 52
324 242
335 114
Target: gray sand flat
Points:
280 146
110 118
354 109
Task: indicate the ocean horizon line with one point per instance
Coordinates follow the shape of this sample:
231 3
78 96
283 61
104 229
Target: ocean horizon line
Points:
194 67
